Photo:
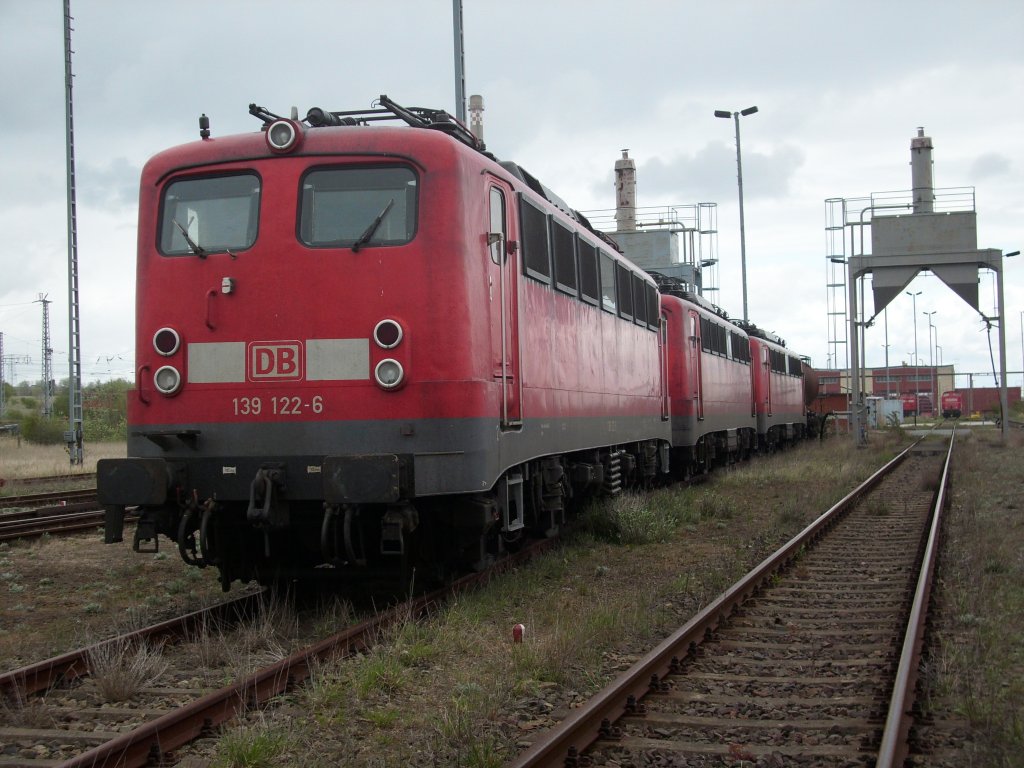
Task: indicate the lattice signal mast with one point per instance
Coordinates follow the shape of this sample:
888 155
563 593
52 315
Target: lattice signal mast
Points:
73 437
47 358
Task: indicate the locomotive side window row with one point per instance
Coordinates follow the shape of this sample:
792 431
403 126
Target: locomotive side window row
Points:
210 214
555 255
343 207
719 340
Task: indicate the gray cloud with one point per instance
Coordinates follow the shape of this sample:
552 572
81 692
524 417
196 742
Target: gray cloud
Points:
710 175
989 165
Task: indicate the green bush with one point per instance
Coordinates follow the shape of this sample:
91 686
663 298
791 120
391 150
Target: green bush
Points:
36 429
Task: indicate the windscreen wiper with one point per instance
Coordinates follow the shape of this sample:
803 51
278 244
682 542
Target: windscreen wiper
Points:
365 237
195 247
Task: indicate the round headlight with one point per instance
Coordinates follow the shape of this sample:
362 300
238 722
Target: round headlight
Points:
282 135
388 373
387 334
166 341
167 380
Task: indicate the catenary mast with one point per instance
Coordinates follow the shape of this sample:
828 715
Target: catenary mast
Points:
73 437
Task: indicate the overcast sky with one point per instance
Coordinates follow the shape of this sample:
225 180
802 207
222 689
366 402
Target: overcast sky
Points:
841 88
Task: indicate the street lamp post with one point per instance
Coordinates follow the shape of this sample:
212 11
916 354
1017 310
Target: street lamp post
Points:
887 377
739 179
931 358
887 382
917 372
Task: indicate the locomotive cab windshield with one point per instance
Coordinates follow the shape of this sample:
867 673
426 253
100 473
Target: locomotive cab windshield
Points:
211 214
356 206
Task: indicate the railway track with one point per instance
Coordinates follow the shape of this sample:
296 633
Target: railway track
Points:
52 499
811 659
49 513
45 479
53 714
51 521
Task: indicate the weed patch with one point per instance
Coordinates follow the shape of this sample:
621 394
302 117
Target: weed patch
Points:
121 669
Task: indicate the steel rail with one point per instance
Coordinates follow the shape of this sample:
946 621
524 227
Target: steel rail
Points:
72 522
561 745
894 748
43 499
9 518
16 685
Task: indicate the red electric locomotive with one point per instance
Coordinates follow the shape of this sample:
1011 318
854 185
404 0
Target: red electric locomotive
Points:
952 404
710 386
780 394
364 348
910 405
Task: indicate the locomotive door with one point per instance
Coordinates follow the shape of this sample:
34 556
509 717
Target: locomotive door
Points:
694 371
767 365
505 332
666 407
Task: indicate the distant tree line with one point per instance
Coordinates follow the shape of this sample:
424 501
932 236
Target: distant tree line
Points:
104 411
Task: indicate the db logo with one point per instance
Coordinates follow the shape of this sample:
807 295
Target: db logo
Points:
279 360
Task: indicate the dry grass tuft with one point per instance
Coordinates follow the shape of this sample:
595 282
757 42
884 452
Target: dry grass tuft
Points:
229 652
25 713
121 669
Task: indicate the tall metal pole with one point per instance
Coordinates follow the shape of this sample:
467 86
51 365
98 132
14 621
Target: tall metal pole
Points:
888 385
460 63
73 437
47 358
931 359
743 237
3 406
857 425
739 180
917 370
1004 405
